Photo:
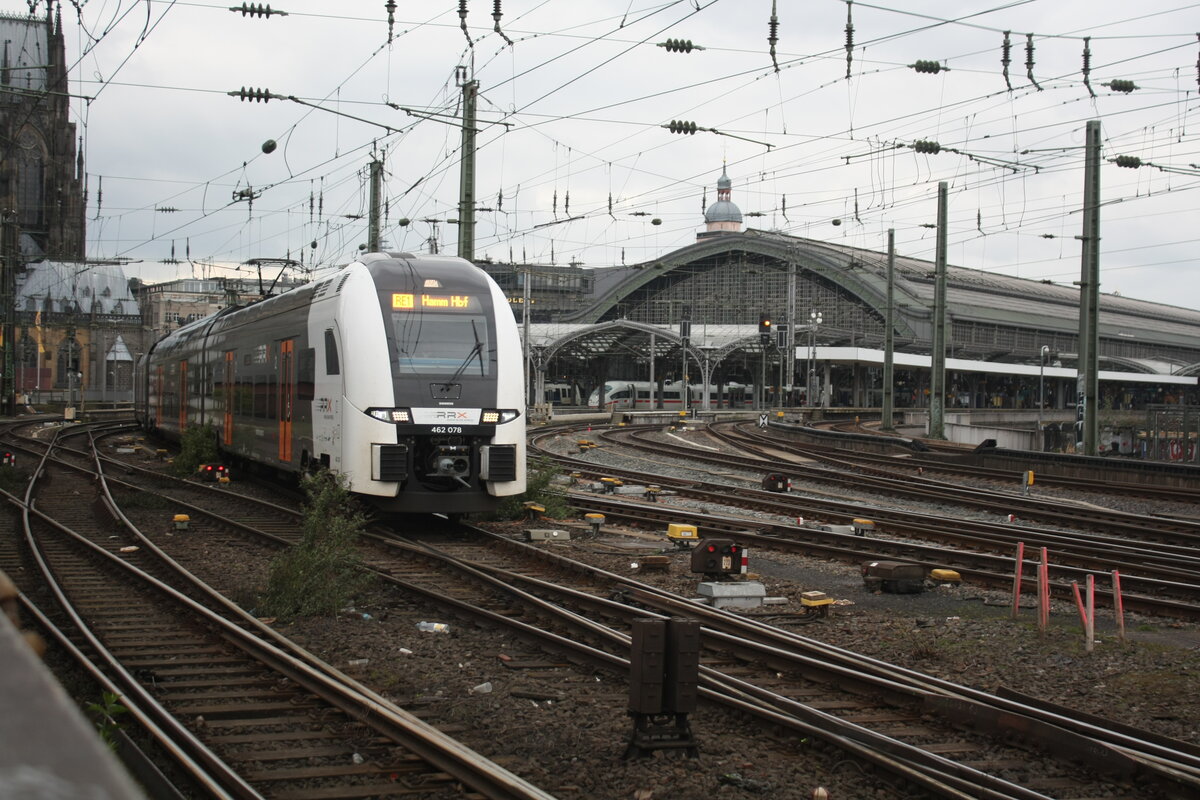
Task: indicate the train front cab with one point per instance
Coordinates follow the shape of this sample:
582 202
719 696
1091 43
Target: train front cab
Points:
427 435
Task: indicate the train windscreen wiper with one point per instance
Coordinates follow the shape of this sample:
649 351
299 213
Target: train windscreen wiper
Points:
476 352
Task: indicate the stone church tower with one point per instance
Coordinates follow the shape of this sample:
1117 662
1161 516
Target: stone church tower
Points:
41 172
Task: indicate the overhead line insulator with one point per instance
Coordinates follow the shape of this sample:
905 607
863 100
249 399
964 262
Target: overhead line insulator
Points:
1006 58
773 34
255 95
1121 85
849 36
930 67
1129 162
1087 65
679 46
926 146
682 126
257 10
1029 61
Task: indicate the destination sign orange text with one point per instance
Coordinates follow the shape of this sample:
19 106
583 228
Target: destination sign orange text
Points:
446 302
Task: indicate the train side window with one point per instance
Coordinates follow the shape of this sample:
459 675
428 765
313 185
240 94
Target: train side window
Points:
239 397
332 365
260 397
272 397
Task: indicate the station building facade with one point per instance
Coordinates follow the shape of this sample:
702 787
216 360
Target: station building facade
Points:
695 314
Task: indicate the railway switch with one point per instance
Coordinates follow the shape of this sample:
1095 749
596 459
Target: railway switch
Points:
10 459
595 520
181 522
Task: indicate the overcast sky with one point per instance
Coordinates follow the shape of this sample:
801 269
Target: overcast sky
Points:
574 163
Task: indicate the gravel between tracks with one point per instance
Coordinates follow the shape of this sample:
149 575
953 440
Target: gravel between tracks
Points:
565 728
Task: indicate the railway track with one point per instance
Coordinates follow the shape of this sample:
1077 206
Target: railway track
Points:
744 669
741 434
853 480
1156 578
902 722
247 710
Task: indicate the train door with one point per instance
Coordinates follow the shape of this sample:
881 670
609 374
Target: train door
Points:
287 391
183 395
229 386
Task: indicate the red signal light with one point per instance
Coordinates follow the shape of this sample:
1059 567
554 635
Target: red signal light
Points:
712 548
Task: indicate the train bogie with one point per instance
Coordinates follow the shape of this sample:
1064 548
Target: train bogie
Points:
402 374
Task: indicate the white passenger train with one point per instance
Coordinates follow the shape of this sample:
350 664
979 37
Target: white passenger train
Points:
401 373
645 396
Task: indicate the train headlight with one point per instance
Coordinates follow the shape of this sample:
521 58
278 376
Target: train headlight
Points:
391 414
498 416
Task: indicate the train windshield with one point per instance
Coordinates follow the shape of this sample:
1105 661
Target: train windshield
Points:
443 344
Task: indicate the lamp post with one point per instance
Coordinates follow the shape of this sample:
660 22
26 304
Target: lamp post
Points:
814 319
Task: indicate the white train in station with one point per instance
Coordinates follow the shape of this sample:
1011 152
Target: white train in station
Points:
646 396
401 373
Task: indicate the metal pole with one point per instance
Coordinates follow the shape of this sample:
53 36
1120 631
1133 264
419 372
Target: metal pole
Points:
683 383
790 356
814 319
782 347
374 212
466 187
812 353
1042 395
762 389
937 376
526 300
889 338
654 397
1087 383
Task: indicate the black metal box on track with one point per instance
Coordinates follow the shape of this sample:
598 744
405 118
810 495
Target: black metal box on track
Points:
896 577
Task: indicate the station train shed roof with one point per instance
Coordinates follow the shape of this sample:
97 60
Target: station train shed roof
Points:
724 281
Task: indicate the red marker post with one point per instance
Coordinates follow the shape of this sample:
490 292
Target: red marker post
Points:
1020 565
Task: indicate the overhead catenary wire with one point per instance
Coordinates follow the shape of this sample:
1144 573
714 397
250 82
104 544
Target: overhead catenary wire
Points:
800 150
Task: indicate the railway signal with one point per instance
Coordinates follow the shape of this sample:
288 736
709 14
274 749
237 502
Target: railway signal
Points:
717 558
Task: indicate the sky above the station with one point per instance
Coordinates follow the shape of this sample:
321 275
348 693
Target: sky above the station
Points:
574 162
